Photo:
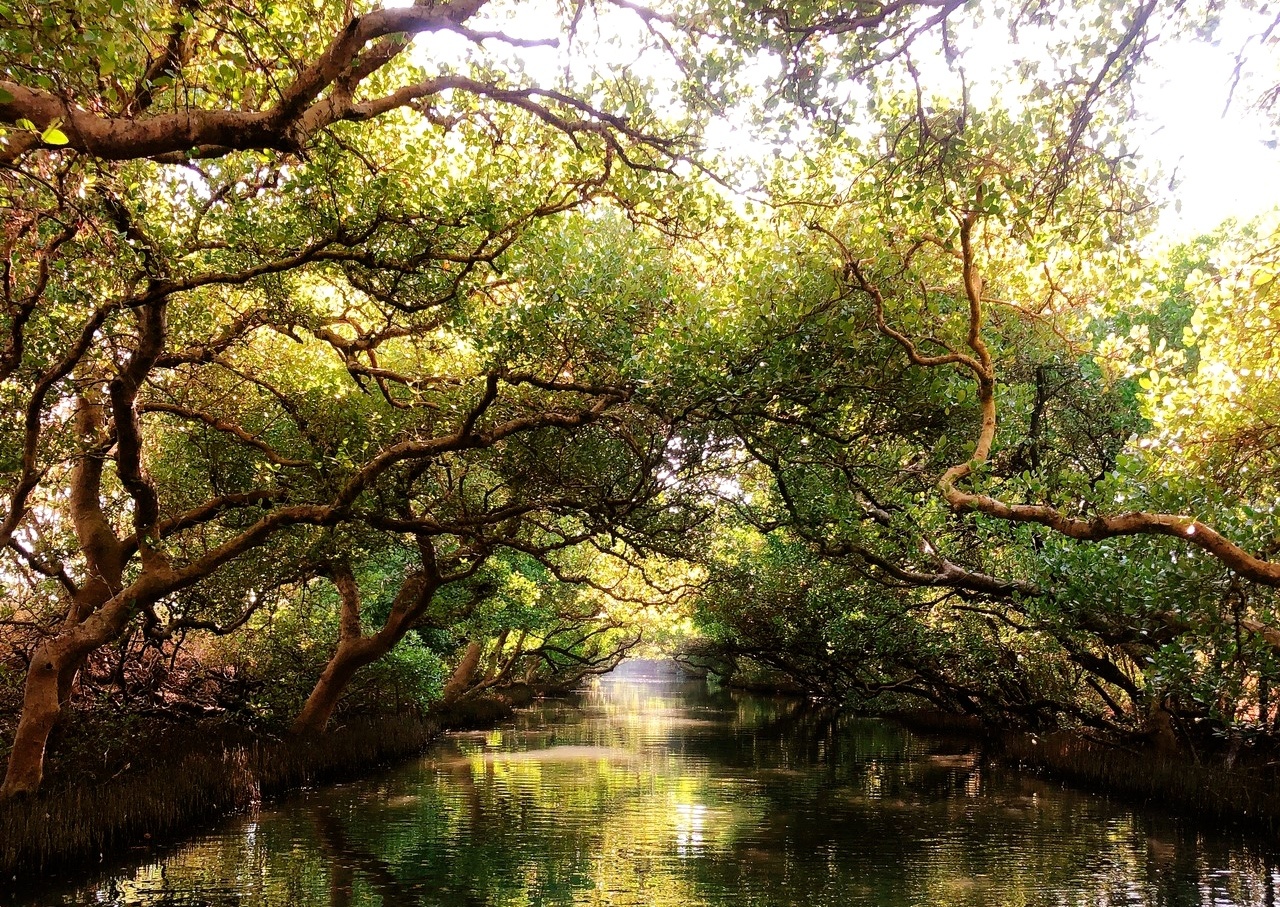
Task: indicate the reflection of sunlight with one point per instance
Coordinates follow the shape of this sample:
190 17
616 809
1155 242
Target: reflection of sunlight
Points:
578 808
873 781
690 821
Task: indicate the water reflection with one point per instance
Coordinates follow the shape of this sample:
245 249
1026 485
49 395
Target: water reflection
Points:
665 795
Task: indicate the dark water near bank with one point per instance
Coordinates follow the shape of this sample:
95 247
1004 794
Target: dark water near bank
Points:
664 794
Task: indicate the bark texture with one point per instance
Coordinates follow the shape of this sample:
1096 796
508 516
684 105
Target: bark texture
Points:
356 650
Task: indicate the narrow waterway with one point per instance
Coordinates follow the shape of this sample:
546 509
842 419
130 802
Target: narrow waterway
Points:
667 795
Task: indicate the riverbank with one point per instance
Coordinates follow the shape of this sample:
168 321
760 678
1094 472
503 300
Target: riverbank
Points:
196 773
1245 794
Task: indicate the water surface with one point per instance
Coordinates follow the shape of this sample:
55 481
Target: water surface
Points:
665 794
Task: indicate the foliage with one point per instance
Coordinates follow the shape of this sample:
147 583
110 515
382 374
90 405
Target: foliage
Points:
425 373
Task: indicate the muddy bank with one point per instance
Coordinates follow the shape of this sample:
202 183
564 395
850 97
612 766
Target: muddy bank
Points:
195 772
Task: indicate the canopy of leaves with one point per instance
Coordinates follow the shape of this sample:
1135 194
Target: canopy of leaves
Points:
426 343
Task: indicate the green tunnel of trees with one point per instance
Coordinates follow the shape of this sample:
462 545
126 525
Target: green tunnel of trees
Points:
359 358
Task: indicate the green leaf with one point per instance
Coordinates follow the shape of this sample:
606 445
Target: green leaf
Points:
54 136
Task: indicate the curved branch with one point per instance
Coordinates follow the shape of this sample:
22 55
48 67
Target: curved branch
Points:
223 425
298 113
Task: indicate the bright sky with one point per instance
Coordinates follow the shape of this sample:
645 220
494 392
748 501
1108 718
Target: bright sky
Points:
1218 162
1221 161
1213 158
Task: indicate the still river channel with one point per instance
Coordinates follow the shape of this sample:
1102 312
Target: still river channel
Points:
664 794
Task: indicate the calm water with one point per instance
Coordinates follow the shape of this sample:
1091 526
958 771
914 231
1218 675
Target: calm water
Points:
664 794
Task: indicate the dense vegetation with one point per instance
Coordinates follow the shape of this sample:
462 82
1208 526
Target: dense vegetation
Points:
361 359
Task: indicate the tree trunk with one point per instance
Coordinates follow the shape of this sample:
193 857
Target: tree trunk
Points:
93 594
53 663
464 673
40 711
356 650
53 660
52 669
1160 728
351 656
95 616
495 658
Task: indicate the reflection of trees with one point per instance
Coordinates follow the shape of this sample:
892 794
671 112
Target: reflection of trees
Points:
724 799
346 859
